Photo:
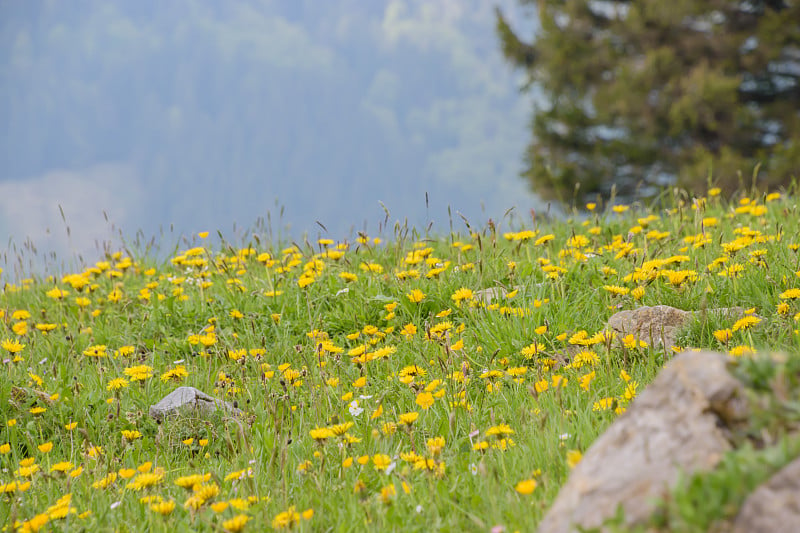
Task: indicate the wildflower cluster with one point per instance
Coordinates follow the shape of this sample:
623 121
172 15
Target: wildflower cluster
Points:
372 378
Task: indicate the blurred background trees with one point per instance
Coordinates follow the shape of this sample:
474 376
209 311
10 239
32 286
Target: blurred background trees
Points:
648 93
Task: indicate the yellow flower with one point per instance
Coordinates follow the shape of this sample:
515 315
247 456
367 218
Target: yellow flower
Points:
616 290
573 458
46 447
790 294
116 384
387 493
57 293
236 523
409 418
416 296
12 346
461 294
62 466
164 508
745 323
381 461
586 380
219 507
131 434
499 431
349 277
96 351
603 404
424 400
632 342
526 486
147 479
286 519
187 482
20 328
723 335
105 482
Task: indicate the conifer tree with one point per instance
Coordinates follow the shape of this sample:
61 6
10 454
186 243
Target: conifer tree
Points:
644 93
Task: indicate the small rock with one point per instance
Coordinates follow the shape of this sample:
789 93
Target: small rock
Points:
659 325
495 294
774 506
679 423
188 400
490 295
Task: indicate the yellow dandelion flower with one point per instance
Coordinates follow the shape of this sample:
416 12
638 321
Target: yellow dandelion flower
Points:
745 322
409 418
163 508
381 461
723 335
46 447
573 458
526 486
461 294
236 523
424 400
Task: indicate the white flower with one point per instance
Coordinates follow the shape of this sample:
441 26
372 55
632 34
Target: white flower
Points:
473 469
354 409
419 509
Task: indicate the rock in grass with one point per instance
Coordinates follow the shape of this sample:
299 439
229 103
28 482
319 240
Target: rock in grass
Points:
659 325
775 505
490 295
680 423
496 294
185 401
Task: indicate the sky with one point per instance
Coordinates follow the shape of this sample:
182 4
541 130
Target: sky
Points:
149 121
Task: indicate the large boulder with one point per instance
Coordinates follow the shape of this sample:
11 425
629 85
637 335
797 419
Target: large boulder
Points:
680 423
187 401
774 506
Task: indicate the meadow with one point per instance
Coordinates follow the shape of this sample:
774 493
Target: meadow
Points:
382 386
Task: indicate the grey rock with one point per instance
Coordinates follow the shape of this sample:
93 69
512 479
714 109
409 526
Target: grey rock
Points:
185 401
657 325
660 325
774 506
490 295
679 423
496 294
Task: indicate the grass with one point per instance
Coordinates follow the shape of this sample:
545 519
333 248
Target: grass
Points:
380 391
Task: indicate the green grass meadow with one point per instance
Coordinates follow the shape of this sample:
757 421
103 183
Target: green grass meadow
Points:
380 389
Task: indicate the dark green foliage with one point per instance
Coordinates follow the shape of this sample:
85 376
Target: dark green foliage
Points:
640 94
